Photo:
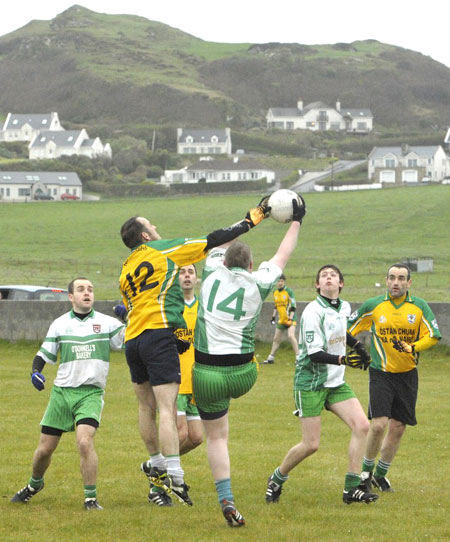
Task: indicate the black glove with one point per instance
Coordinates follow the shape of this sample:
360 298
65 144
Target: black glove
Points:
298 211
403 346
182 345
272 320
354 360
365 356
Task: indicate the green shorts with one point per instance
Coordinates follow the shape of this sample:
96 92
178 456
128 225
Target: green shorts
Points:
69 405
311 403
214 386
186 405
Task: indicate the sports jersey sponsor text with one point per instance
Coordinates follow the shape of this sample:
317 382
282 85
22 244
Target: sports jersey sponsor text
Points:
83 351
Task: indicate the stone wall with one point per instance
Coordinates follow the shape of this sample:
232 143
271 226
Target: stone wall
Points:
30 320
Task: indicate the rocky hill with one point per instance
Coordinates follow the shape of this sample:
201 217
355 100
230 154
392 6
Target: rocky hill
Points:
120 70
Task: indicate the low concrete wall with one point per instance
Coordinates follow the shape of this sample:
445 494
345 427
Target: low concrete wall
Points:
30 320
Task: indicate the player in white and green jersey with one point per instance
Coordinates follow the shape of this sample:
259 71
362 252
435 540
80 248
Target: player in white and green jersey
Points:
83 338
154 301
231 299
319 383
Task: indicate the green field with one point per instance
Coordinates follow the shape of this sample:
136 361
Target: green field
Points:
362 232
262 430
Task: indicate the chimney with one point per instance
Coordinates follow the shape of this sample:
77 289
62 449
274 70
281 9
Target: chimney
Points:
300 104
405 148
338 105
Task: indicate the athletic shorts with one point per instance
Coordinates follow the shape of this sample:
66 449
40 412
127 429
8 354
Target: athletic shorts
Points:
186 406
67 406
152 357
311 403
393 395
214 386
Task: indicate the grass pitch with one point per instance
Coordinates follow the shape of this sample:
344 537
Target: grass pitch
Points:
362 232
262 430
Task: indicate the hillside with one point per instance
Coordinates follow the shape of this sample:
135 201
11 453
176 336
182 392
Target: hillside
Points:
123 69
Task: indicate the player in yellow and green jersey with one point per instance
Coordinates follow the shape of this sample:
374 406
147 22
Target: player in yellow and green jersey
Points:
287 320
401 326
154 302
189 424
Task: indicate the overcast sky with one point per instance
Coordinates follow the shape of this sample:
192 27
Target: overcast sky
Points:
423 27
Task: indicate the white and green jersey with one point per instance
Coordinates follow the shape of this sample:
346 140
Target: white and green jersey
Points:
322 327
230 303
84 347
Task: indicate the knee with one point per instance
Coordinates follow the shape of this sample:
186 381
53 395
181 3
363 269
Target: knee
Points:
311 447
85 445
182 433
378 426
196 440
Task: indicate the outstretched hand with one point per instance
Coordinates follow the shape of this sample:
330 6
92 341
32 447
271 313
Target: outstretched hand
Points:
298 211
259 213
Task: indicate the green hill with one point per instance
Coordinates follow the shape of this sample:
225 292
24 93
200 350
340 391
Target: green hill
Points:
121 69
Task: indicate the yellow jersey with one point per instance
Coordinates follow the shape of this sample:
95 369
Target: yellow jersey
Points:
284 300
149 283
187 334
411 320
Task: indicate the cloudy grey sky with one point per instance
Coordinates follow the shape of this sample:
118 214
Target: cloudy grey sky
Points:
422 27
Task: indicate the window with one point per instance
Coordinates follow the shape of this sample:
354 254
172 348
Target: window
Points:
389 162
361 125
289 125
310 124
15 121
412 162
24 192
44 121
8 192
335 126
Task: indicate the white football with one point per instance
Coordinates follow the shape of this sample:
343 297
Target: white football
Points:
281 205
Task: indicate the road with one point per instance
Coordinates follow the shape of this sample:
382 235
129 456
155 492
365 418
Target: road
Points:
308 180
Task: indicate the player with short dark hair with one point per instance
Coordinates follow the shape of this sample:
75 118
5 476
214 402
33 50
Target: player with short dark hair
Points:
152 295
319 383
83 337
231 299
401 327
285 306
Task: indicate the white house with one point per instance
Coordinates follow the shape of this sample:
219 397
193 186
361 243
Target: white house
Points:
203 141
318 116
408 164
29 185
49 144
221 170
447 139
18 127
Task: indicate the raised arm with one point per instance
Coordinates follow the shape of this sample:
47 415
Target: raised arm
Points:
289 241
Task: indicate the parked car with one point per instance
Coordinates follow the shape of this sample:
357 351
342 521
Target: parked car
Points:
41 196
20 292
69 196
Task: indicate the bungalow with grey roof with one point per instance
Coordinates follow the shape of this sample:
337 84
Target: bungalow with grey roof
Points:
203 141
318 116
28 185
220 170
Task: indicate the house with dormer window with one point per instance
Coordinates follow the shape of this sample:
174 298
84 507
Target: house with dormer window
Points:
408 164
24 127
49 144
203 141
318 116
